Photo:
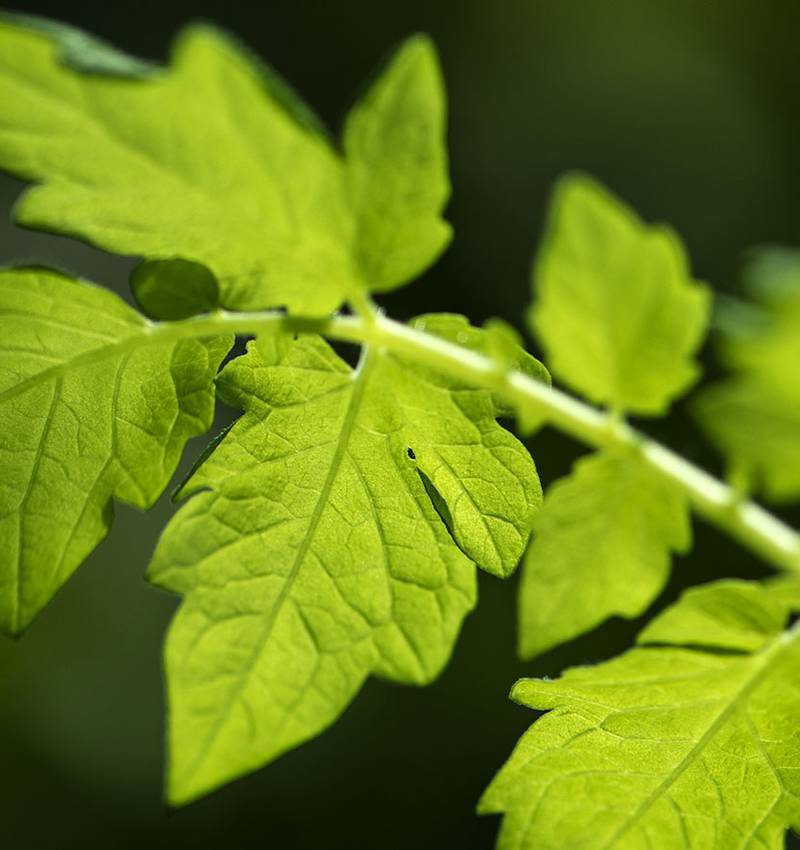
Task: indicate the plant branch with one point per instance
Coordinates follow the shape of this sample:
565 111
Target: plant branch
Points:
757 529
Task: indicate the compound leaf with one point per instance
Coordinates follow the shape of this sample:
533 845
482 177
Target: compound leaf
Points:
601 546
754 415
617 312
315 554
214 160
90 409
666 746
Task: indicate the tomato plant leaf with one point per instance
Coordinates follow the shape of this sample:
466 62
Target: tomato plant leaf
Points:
601 546
667 745
90 409
215 160
174 289
729 615
397 168
759 433
754 415
616 309
314 554
500 345
192 162
333 532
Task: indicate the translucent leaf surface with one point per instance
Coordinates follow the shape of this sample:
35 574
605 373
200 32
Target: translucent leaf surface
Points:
319 551
665 746
601 547
754 416
616 309
216 161
397 168
90 409
735 615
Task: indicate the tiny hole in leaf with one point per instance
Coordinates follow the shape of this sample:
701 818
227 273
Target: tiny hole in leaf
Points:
410 453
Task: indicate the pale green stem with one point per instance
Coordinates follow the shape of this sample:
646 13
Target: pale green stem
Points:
750 524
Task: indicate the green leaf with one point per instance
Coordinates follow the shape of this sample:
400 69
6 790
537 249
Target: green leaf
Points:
758 430
665 746
787 589
199 161
90 409
771 353
601 547
754 416
617 312
502 342
397 168
216 161
489 341
315 555
174 289
735 615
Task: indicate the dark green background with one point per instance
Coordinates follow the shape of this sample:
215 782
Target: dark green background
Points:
687 109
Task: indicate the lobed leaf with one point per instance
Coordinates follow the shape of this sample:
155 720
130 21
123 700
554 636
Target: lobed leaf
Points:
666 746
214 160
90 409
601 547
754 415
616 311
334 537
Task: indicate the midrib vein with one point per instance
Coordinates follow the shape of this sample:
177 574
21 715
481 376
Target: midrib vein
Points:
761 667
360 381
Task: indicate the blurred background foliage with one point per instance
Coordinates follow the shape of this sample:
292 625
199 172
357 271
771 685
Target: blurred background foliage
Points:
688 110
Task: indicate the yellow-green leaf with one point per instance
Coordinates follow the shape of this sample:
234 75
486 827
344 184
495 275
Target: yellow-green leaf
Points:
754 415
215 161
616 309
666 746
336 535
397 168
91 408
601 546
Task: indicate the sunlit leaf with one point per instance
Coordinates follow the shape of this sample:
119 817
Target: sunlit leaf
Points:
616 309
91 408
319 551
601 547
666 746
216 161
